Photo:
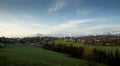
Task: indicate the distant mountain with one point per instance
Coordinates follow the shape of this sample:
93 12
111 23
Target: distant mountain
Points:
42 35
117 33
37 35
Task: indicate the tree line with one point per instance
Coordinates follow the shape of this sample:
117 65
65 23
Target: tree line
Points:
91 54
108 40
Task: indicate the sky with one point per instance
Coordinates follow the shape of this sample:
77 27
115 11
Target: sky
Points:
27 17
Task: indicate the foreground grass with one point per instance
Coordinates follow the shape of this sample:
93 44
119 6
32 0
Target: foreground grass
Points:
19 55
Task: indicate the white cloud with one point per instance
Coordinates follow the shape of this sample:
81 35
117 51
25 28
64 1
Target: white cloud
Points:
59 4
85 10
19 25
71 25
86 26
103 28
74 23
12 25
76 6
98 29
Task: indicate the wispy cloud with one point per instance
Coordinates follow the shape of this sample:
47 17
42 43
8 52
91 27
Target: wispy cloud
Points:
19 24
74 23
85 11
87 26
71 25
78 7
101 28
27 25
57 5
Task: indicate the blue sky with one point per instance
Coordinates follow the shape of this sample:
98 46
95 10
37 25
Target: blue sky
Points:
27 17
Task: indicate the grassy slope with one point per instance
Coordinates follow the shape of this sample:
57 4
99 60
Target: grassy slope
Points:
34 56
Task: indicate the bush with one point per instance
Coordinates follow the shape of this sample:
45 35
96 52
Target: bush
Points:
1 45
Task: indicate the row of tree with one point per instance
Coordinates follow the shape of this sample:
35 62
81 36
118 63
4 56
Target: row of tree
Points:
91 54
96 40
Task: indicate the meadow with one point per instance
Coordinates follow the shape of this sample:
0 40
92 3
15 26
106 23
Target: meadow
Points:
25 55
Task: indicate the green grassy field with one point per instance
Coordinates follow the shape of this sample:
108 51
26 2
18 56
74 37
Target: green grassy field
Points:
19 55
106 48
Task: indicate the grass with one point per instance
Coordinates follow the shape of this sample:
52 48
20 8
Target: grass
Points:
19 55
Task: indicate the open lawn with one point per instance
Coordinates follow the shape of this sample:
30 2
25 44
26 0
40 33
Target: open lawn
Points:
20 55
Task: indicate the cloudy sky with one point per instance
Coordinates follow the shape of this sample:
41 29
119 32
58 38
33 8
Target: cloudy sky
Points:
27 17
